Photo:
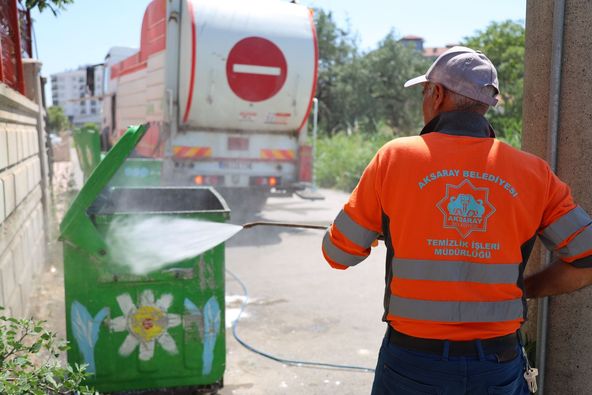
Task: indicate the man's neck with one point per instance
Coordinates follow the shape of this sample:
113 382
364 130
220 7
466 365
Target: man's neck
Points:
460 123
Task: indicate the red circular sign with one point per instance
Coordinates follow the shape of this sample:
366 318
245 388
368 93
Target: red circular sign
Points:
256 69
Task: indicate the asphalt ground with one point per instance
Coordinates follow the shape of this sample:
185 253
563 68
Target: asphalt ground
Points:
299 307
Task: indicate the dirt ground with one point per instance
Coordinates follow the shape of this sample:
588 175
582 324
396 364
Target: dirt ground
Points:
47 301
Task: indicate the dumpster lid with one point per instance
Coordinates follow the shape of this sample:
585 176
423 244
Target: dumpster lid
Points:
101 176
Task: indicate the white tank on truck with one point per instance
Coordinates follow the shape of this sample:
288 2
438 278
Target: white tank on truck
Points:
250 66
227 86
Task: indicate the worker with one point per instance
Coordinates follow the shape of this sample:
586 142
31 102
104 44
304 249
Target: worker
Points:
459 212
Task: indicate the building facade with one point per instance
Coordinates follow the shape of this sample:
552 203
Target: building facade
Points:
416 43
70 91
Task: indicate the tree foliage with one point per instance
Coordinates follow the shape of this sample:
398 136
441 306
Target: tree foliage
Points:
91 125
57 121
53 5
359 91
390 65
337 49
341 158
29 361
503 43
362 94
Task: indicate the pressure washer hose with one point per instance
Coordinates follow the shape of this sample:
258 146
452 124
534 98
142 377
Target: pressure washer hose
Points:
292 225
286 361
284 225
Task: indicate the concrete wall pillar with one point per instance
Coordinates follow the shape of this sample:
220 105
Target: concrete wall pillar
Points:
569 345
33 91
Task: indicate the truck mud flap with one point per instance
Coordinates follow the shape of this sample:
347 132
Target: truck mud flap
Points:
309 194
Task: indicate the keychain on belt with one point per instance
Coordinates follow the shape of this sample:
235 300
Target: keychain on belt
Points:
530 374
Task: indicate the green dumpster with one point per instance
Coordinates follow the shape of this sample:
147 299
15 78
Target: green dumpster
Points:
138 172
132 172
140 333
87 142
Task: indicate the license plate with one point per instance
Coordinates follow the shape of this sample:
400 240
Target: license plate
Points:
234 165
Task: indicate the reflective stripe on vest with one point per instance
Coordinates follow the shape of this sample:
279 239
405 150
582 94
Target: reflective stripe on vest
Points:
565 226
486 273
580 244
354 232
338 255
456 311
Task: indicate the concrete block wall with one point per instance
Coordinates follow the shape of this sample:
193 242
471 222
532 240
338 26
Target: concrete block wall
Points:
569 348
22 238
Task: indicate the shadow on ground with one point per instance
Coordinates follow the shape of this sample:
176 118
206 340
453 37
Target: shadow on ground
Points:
258 236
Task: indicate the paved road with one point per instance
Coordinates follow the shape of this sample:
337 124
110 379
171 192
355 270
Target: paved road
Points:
299 307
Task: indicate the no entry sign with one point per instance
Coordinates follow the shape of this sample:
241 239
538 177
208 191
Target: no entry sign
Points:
256 69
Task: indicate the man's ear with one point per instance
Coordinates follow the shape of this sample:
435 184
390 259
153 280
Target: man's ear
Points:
438 97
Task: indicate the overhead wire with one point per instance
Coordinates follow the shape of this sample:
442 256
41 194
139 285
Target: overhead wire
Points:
290 362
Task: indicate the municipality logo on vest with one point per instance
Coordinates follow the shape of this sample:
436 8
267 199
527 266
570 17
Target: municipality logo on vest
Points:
466 208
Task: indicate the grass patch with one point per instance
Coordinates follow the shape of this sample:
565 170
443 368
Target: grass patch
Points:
342 158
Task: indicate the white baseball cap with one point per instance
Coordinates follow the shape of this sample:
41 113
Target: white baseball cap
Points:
464 71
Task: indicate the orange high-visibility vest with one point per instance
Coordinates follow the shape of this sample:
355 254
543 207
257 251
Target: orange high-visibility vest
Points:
460 212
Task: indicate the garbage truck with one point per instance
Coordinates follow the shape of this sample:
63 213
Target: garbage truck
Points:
227 87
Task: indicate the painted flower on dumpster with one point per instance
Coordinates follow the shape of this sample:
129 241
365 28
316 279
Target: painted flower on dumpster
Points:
146 324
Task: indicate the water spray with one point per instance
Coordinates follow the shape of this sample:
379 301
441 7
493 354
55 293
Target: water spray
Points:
148 244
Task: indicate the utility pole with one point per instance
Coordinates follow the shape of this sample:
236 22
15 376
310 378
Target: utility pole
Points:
558 127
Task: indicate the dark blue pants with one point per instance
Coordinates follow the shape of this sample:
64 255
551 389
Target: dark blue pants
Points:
404 372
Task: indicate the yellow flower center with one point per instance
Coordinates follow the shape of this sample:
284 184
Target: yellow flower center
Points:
147 323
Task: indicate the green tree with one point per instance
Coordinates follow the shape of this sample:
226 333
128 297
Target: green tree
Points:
57 121
360 91
91 125
390 65
53 5
350 107
503 43
337 49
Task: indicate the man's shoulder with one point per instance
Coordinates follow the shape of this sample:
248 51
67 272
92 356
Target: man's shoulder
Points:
403 143
519 154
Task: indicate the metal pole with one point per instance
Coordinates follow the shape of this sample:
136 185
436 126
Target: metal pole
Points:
554 108
315 117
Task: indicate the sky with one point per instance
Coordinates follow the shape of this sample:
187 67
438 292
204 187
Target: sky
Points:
83 32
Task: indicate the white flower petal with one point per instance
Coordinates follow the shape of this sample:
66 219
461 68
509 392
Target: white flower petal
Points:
147 298
128 346
146 350
164 302
173 320
118 324
126 304
168 343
